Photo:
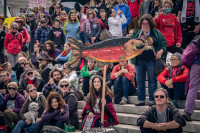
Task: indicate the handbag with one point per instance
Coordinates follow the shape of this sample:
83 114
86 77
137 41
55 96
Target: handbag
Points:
105 34
68 128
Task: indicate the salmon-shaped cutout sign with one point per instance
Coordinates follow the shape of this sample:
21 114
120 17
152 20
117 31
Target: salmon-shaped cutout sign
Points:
110 50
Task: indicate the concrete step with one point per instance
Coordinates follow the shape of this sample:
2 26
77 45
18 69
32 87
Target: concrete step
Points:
181 103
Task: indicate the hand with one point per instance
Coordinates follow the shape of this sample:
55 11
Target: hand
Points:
27 122
171 86
178 45
93 39
90 115
56 58
196 29
51 81
38 119
158 55
119 12
158 127
11 110
168 82
26 95
125 71
103 101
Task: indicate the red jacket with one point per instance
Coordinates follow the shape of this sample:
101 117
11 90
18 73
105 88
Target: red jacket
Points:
181 75
13 44
130 76
26 36
134 8
170 28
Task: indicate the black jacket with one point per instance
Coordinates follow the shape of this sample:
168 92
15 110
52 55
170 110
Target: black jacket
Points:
150 115
57 36
2 38
32 27
71 100
51 10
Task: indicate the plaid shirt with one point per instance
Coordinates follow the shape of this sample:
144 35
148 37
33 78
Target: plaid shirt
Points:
41 34
48 88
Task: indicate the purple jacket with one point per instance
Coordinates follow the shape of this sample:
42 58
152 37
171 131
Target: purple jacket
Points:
19 102
57 115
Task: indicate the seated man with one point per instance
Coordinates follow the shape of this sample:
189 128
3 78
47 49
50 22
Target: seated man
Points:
12 105
55 76
30 79
123 74
5 80
34 96
173 79
162 117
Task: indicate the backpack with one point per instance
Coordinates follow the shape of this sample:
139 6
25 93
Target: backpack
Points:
190 53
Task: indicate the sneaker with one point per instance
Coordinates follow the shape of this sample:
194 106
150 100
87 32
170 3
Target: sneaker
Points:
175 103
123 101
187 116
140 104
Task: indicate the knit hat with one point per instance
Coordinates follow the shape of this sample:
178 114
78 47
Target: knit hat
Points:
178 55
43 20
57 19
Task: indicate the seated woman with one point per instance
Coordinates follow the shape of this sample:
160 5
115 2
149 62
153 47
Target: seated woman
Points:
173 78
92 108
8 67
64 56
87 72
71 75
56 113
71 100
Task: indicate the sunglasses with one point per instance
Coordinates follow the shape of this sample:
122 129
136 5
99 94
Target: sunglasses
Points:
30 73
32 90
161 96
64 85
30 16
10 88
21 63
42 22
14 28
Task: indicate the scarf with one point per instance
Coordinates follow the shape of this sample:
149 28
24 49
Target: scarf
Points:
197 11
65 53
93 21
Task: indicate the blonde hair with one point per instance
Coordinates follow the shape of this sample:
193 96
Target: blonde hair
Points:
12 84
168 2
94 13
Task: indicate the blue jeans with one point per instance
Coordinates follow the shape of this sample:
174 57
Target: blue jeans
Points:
22 124
126 86
141 68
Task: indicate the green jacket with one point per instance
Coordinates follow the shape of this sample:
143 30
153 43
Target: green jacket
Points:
85 72
40 99
162 43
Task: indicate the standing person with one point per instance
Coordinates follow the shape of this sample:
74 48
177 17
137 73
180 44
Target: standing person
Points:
57 12
115 23
173 79
41 34
71 28
31 23
157 6
36 97
49 20
189 18
123 76
101 4
39 17
87 72
13 44
145 7
2 38
65 55
70 99
93 105
91 27
146 61
162 117
82 21
35 10
134 9
63 18
2 26
193 87
126 11
169 26
24 23
56 34
12 104
42 9
52 7
55 114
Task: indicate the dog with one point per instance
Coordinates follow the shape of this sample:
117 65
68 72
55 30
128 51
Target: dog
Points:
32 114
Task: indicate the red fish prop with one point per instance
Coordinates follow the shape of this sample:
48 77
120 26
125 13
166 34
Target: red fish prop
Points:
110 50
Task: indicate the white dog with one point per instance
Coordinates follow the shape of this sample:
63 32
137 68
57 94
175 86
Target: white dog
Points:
32 114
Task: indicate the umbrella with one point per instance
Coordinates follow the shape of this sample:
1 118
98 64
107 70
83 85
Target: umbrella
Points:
71 3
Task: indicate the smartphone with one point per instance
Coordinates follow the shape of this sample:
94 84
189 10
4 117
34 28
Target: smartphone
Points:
166 10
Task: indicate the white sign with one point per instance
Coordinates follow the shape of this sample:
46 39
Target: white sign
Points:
37 3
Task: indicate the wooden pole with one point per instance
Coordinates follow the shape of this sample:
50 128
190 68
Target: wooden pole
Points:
103 93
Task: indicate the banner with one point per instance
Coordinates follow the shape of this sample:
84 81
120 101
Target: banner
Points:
36 3
8 21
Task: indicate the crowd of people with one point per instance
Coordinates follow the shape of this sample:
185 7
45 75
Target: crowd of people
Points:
36 64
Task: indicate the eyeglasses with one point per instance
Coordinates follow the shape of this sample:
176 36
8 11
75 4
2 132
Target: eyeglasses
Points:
32 90
10 88
174 59
90 13
66 85
21 63
161 96
30 73
3 75
145 24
